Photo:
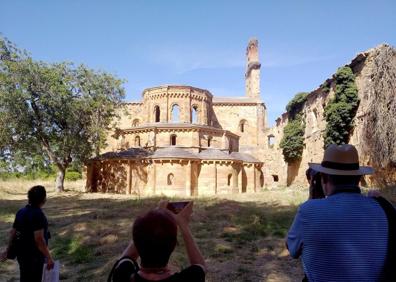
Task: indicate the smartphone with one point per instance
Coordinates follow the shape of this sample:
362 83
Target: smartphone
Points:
176 207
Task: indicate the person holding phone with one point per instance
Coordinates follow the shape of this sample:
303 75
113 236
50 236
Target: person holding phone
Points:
154 238
344 236
29 236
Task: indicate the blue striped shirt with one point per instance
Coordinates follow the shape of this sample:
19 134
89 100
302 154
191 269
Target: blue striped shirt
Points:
343 237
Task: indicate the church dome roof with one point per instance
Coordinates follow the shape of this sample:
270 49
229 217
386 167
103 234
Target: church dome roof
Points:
173 153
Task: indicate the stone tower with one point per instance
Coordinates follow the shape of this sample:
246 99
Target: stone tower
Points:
253 65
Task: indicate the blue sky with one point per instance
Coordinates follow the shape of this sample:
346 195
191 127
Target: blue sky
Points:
202 43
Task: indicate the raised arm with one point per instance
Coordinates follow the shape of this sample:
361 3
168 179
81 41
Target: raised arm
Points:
193 253
131 252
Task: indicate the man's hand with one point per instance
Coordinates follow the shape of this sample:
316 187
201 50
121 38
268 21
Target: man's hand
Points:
50 263
184 216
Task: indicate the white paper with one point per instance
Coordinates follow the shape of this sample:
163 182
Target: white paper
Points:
51 275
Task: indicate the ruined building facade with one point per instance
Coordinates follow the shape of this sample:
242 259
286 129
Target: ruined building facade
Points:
181 140
374 132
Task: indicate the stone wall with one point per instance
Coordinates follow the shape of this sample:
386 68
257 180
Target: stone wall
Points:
177 173
366 68
181 177
247 117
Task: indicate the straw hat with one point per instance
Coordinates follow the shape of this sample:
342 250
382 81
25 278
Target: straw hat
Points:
341 160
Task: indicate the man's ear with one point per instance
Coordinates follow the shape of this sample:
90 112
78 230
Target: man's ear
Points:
325 178
324 181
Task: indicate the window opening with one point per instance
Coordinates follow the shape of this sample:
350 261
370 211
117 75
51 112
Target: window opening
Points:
137 141
209 141
170 178
135 122
173 140
175 113
157 113
194 114
271 141
229 179
242 125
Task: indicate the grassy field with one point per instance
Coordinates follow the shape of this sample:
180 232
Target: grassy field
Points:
241 236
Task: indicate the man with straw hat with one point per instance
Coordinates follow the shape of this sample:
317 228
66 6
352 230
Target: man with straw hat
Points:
343 237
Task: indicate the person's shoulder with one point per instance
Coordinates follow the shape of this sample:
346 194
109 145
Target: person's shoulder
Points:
37 212
313 204
22 211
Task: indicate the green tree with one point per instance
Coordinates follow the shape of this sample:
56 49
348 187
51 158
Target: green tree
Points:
295 106
292 143
341 110
57 111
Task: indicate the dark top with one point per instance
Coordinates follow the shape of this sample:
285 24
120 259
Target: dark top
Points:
193 273
28 220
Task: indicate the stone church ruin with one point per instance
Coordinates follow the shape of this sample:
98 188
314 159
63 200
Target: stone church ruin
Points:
182 140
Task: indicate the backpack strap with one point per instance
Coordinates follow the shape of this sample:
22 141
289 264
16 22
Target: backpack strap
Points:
389 268
131 265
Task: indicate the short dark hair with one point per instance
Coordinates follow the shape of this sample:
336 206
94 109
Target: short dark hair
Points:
342 179
155 237
37 195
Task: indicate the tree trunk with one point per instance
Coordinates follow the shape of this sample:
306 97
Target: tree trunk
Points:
60 178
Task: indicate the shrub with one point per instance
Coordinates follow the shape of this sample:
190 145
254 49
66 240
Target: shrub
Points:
325 86
292 143
73 175
296 104
341 110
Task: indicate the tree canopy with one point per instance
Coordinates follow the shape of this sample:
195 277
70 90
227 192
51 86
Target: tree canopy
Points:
341 110
55 112
292 143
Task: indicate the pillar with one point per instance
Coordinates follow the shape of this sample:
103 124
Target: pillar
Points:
215 176
188 179
129 177
240 179
234 178
153 177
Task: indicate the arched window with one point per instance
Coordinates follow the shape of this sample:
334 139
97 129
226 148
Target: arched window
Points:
194 114
157 113
209 140
135 122
175 113
242 125
170 178
173 139
137 141
271 141
229 178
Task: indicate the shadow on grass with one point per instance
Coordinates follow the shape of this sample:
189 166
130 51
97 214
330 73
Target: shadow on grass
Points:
241 241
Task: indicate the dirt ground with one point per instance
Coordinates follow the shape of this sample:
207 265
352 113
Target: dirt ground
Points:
240 236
